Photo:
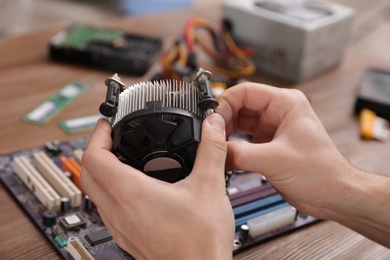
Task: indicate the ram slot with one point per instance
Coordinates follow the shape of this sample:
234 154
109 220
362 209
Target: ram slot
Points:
57 178
36 183
256 208
77 250
244 197
78 154
271 221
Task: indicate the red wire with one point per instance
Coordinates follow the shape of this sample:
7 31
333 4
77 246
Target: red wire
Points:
187 29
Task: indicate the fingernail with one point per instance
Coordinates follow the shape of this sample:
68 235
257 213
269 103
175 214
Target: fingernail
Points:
216 121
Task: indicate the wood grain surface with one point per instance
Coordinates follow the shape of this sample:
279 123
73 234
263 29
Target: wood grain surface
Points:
27 78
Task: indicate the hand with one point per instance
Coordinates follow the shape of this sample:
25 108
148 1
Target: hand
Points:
152 219
290 146
292 149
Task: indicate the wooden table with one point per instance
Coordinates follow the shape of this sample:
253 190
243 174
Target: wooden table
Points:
27 78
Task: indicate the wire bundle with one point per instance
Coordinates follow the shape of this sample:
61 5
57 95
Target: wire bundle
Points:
224 57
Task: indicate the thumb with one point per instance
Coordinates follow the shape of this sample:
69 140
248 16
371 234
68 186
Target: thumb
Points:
263 158
209 167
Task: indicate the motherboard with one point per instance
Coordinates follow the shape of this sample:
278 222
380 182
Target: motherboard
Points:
45 183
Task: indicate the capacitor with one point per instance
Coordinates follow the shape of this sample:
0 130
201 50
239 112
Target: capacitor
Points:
88 204
65 204
53 148
49 218
244 233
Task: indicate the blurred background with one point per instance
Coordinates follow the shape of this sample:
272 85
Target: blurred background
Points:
20 16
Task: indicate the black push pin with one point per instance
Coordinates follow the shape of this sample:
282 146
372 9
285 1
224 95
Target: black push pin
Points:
202 80
114 88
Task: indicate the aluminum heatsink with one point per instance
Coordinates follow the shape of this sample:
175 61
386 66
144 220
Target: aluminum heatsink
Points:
157 124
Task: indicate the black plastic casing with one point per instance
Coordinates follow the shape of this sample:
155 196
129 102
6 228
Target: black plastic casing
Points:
135 59
374 93
182 149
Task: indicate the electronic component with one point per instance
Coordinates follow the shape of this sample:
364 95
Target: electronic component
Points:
374 93
253 194
68 175
88 204
372 126
53 148
271 221
74 168
224 57
79 124
36 183
57 178
256 208
77 250
99 236
105 48
65 204
72 222
82 222
55 230
292 40
243 233
61 242
42 113
49 218
94 219
59 236
156 125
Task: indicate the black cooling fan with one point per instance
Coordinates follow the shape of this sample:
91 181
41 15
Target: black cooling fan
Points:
157 125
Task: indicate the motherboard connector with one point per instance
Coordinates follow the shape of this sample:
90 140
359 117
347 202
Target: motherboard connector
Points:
77 250
57 178
271 221
36 183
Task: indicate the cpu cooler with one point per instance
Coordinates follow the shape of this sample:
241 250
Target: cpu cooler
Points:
156 125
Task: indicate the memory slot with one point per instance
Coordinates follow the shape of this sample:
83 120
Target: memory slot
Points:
257 205
256 208
36 183
274 220
56 177
245 219
245 197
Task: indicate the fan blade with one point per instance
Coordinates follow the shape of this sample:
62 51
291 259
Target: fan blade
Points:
156 129
184 133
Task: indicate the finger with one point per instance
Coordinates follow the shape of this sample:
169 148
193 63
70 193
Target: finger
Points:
268 104
98 157
262 158
104 167
95 192
258 127
101 137
209 165
248 95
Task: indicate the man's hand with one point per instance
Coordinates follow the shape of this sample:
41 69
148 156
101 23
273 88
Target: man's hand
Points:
292 149
152 219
